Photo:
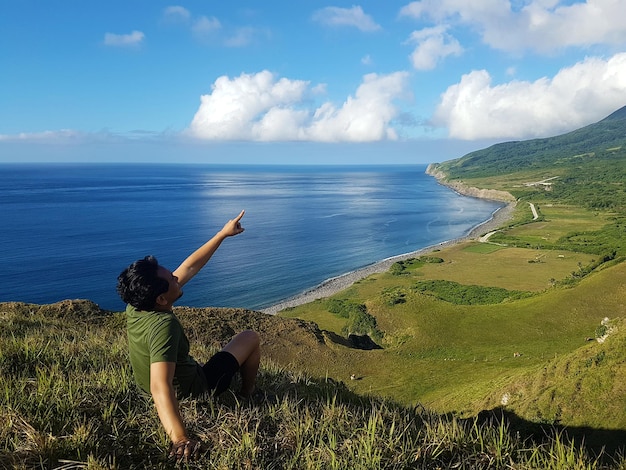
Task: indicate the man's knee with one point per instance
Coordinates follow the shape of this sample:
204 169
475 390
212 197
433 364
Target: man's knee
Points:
249 337
244 345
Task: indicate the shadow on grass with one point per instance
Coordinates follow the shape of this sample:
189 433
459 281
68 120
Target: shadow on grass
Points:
608 444
362 342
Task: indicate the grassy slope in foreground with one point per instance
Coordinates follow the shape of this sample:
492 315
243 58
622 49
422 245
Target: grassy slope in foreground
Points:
69 401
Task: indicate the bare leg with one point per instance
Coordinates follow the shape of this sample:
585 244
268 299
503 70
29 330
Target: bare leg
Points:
247 350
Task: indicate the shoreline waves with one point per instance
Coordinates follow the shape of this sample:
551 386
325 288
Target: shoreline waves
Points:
336 284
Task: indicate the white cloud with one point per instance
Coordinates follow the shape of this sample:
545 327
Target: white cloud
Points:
68 137
261 108
540 25
204 26
511 71
433 45
176 14
44 137
133 39
209 29
245 36
229 112
574 97
355 16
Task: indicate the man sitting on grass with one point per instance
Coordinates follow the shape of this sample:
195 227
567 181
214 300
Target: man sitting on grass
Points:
159 349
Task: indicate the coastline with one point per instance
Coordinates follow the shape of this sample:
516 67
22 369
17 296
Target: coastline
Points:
336 284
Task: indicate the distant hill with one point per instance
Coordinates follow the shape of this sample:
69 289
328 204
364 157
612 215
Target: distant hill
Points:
585 167
604 139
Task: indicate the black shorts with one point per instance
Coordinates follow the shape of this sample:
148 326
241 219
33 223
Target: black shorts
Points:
219 371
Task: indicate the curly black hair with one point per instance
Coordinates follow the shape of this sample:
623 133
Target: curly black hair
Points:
139 285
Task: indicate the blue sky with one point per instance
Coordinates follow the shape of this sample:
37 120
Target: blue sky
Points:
300 81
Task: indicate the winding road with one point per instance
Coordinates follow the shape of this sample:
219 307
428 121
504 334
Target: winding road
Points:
485 237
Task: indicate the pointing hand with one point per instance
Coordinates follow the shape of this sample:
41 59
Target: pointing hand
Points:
233 226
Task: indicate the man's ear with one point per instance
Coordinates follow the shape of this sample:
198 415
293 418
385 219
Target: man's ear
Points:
161 300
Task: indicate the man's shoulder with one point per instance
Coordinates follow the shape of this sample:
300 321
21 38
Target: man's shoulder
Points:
149 319
133 312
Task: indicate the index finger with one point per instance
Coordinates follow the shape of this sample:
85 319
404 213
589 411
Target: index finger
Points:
238 218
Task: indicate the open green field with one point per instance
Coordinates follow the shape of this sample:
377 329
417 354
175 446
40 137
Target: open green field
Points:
557 221
464 358
518 182
510 268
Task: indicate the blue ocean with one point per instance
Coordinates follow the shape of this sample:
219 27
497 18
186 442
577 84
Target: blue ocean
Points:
70 229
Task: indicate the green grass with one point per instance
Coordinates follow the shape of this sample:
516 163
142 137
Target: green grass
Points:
461 359
483 248
68 401
526 269
461 294
557 225
435 349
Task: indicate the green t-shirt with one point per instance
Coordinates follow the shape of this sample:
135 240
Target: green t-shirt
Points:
159 337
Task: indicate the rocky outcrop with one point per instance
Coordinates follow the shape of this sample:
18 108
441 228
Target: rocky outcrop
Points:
462 188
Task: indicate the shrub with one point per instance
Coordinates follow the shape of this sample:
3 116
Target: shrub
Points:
360 322
393 296
461 294
400 267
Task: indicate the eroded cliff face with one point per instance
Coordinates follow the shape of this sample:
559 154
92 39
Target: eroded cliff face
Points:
465 190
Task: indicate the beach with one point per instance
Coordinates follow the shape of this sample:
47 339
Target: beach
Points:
339 283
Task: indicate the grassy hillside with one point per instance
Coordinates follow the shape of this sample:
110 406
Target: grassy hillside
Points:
586 167
604 141
69 402
512 323
450 356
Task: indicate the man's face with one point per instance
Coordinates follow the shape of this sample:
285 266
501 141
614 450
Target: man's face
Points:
174 292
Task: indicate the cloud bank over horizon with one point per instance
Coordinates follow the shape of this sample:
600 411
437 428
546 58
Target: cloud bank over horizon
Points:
337 73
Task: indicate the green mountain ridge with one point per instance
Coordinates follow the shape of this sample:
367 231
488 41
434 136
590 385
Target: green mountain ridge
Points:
606 138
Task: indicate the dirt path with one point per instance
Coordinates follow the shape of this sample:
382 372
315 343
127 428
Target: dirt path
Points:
485 238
